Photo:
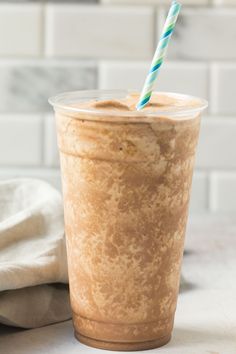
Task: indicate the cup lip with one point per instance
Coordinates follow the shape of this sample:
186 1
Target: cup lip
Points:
61 102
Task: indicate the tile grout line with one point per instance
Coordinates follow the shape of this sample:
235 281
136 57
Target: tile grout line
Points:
212 198
213 84
43 138
208 90
208 191
46 32
43 29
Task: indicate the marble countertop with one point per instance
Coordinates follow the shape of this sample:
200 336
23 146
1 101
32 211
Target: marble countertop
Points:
205 320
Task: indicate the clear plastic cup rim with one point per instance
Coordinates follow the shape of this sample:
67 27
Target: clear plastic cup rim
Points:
64 101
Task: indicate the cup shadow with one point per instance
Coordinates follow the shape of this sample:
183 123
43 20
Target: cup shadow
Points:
185 285
188 252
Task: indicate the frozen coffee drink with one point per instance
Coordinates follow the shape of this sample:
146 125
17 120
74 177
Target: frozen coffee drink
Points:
126 178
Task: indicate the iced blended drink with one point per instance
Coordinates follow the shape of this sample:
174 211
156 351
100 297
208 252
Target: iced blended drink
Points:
126 178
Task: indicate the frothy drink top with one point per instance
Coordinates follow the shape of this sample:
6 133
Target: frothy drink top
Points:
166 117
160 103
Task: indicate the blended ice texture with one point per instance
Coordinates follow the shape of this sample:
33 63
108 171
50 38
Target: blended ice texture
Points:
126 187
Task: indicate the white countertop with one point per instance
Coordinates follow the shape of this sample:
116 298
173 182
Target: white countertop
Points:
205 321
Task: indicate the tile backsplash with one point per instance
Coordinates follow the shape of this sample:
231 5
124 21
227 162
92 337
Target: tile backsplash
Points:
26 85
47 47
99 32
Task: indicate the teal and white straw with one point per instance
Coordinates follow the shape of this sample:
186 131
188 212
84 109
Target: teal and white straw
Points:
159 54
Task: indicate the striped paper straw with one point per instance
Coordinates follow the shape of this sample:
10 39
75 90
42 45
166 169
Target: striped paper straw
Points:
159 54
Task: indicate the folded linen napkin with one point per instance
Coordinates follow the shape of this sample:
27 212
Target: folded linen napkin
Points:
33 269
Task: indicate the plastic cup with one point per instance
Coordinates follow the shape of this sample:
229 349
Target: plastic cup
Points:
126 180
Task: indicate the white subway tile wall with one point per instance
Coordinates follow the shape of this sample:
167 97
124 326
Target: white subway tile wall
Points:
223 192
21 140
120 74
47 47
199 197
224 2
205 34
26 85
217 144
51 154
156 2
98 32
21 29
223 77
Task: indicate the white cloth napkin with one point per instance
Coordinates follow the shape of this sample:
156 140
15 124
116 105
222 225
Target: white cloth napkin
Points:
33 269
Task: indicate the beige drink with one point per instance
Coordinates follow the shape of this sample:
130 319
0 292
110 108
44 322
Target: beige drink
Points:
126 184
